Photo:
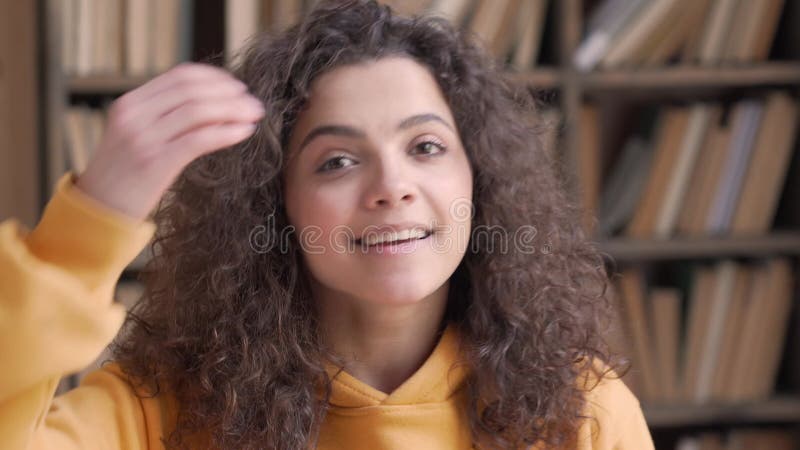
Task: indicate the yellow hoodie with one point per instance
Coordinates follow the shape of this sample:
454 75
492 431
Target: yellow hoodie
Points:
57 315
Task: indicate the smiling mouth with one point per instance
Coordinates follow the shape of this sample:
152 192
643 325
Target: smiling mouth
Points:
427 234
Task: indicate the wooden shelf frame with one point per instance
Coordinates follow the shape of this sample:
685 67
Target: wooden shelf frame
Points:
102 85
684 76
784 243
782 73
779 409
547 78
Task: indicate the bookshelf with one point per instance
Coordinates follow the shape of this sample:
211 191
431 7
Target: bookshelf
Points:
589 143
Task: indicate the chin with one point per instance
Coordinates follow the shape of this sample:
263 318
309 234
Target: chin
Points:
397 293
396 300
405 287
393 295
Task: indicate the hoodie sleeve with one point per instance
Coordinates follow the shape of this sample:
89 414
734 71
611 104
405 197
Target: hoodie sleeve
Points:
618 422
630 426
56 316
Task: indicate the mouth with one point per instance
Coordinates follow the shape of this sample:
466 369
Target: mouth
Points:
402 239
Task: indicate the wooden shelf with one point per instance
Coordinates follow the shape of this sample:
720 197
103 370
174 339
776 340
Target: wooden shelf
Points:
776 73
777 409
672 77
104 84
677 77
542 78
779 243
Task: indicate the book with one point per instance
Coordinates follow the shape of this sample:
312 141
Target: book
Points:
717 27
624 186
763 330
746 120
606 28
761 32
589 164
528 34
632 292
456 11
772 152
678 35
689 54
669 135
125 38
242 20
69 35
666 313
284 13
752 28
491 22
678 183
725 274
654 19
730 343
137 46
705 177
77 137
698 317
408 7
736 323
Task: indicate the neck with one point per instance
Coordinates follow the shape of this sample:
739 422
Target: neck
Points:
382 345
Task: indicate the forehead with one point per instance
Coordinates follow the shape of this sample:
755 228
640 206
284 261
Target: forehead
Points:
378 92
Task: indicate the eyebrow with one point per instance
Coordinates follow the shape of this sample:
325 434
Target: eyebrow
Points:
351 132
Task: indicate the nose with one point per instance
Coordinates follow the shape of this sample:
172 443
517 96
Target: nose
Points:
389 186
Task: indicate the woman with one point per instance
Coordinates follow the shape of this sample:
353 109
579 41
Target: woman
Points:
380 257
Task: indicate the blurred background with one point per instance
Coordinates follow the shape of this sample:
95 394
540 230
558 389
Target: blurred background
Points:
675 122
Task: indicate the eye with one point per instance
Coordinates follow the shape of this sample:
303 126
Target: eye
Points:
431 147
335 163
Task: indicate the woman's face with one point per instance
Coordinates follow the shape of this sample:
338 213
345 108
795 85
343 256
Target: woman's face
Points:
376 147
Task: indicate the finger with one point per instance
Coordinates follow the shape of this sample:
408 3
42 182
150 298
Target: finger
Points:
147 113
180 74
197 113
200 141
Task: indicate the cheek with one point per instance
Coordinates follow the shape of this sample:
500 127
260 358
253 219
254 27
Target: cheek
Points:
456 190
453 208
318 217
458 207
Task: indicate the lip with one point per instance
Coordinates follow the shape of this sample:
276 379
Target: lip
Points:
395 249
393 228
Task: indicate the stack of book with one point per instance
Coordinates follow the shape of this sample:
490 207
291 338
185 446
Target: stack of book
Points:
716 338
124 38
652 32
704 170
510 29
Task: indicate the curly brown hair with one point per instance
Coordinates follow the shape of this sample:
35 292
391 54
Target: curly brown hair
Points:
232 333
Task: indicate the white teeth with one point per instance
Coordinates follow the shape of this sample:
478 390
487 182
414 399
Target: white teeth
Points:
379 238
